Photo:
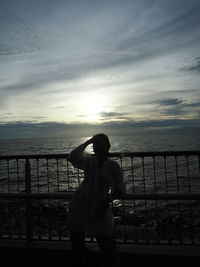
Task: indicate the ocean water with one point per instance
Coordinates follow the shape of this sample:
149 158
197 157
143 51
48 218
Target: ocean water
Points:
136 143
139 175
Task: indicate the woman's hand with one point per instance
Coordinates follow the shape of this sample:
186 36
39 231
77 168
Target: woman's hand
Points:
116 195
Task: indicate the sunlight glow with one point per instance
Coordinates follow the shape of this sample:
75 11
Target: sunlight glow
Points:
91 106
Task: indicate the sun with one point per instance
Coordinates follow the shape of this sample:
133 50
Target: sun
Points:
91 106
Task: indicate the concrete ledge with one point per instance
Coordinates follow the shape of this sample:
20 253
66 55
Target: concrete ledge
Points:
57 253
167 250
157 249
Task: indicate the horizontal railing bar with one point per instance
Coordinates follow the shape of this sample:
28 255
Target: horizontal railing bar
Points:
112 154
37 195
141 196
155 153
161 196
36 156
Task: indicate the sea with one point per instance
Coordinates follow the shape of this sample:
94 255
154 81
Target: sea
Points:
135 143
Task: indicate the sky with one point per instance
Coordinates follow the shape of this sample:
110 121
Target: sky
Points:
77 67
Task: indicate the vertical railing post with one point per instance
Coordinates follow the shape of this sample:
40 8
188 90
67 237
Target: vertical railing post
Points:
28 201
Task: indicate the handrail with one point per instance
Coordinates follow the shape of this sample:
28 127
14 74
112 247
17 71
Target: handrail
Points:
68 195
112 154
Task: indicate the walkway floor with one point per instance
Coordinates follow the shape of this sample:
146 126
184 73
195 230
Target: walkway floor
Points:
59 255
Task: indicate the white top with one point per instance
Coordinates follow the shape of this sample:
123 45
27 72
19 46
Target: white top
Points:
94 190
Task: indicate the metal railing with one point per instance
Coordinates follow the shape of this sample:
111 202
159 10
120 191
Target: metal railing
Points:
161 204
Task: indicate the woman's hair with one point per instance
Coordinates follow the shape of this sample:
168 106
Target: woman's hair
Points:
103 137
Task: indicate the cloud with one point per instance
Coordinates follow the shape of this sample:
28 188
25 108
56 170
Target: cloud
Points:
60 107
177 106
192 105
31 129
113 115
195 67
24 40
151 37
168 101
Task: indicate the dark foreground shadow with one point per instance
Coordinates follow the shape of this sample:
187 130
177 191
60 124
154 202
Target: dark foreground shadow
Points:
53 257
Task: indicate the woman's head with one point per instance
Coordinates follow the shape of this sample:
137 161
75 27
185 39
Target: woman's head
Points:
101 145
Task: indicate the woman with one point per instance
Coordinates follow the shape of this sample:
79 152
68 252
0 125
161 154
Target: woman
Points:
90 208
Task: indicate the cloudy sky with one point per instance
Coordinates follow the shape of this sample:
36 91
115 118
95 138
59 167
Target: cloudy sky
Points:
89 65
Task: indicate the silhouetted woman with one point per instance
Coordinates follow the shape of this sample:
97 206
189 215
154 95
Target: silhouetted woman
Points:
90 208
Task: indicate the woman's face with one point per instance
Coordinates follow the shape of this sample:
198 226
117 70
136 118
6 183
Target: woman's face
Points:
100 147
